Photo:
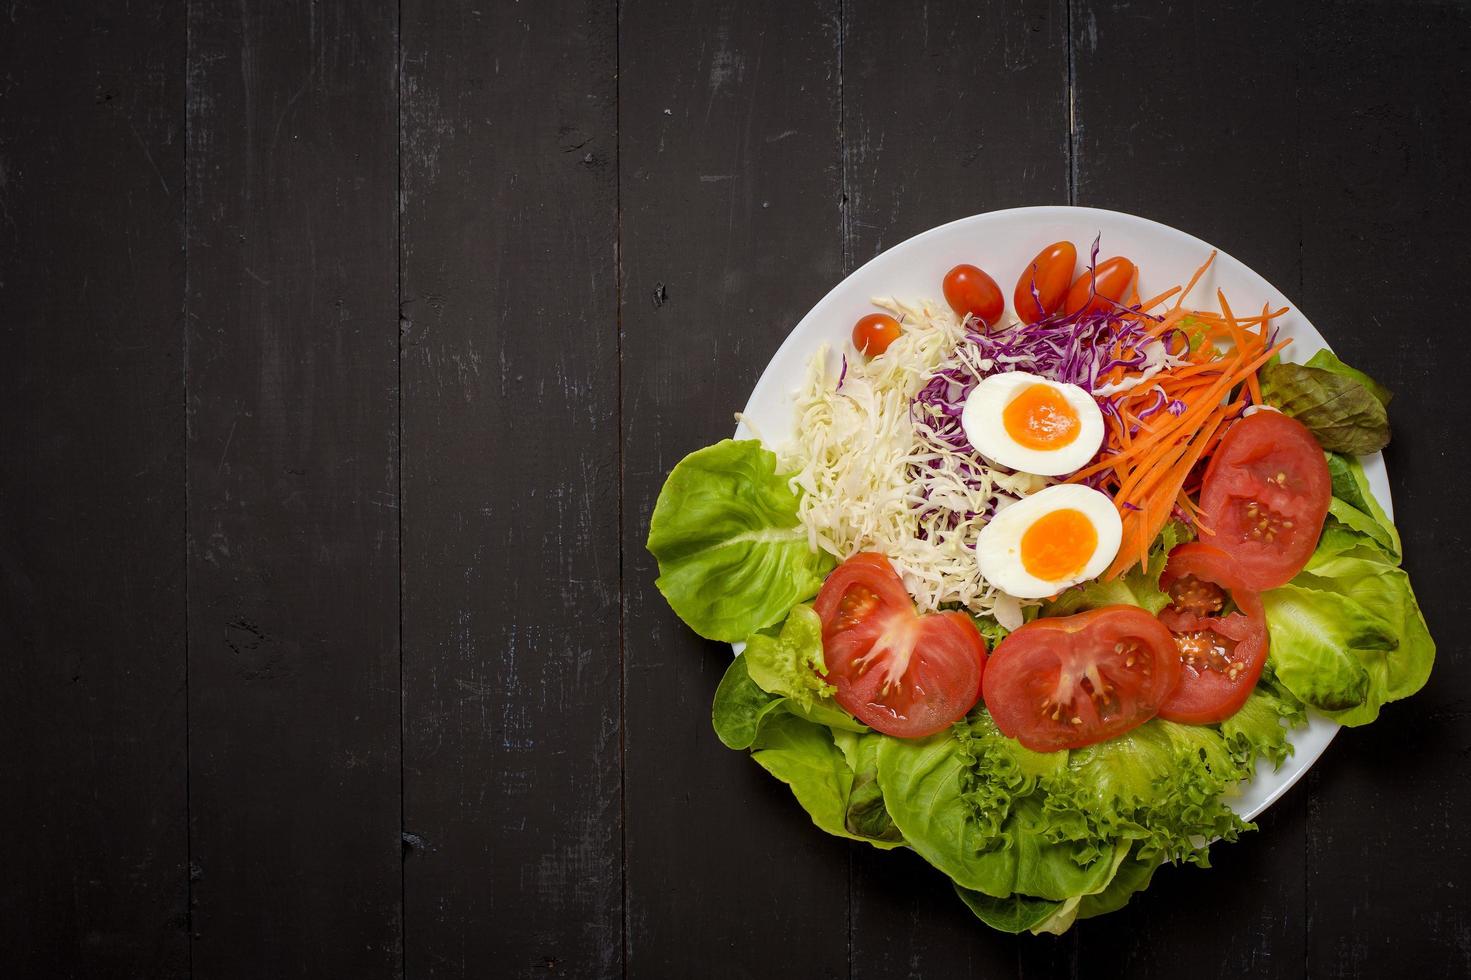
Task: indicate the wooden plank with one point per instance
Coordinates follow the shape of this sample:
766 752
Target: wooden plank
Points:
1216 160
510 371
730 191
91 492
948 111
293 491
1385 199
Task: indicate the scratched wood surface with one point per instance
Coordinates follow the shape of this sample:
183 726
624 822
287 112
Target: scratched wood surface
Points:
348 345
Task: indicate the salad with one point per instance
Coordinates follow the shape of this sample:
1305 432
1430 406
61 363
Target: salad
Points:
1036 585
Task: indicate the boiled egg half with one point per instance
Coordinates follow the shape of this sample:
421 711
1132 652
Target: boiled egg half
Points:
1031 424
1045 542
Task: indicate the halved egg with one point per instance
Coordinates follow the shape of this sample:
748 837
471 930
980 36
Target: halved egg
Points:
1057 537
1031 424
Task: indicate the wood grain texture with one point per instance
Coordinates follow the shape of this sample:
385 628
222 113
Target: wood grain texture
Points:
91 492
731 202
923 144
510 452
293 489
1385 177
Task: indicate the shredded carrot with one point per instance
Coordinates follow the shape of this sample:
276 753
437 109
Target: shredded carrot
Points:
1152 450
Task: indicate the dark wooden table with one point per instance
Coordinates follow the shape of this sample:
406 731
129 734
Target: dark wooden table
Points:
347 344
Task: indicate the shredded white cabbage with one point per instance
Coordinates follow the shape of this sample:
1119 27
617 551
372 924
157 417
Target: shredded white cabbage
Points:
868 472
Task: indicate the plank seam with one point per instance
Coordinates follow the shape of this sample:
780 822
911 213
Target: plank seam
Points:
1072 111
403 875
184 371
622 479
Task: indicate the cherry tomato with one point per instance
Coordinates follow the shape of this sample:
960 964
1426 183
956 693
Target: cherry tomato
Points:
1101 287
1221 656
1049 273
1070 681
970 292
874 333
897 672
1264 497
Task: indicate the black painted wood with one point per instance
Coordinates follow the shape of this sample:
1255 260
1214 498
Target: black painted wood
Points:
92 773
512 780
574 232
1386 195
731 230
1216 160
293 489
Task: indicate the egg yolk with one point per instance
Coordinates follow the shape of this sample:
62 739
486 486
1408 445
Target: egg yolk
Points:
1058 545
1039 417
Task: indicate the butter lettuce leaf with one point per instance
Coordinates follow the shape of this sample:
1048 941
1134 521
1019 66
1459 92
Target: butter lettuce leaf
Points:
732 556
1347 635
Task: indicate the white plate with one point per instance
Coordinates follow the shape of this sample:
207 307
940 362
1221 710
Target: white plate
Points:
1002 242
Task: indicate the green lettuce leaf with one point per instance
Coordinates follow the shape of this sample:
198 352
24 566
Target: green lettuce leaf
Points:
1341 411
1326 360
1259 728
1014 913
1347 635
1132 877
804 756
790 664
867 817
732 556
927 785
741 707
1160 784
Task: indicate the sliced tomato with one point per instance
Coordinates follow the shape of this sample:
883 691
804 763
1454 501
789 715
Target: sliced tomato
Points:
896 671
1070 681
1264 497
1221 656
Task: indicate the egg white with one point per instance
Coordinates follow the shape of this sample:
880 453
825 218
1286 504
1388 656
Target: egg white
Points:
999 543
982 420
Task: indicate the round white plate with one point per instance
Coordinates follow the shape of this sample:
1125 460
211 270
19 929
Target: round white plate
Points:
1002 242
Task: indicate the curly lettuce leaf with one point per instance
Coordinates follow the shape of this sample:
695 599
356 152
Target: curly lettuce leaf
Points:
1259 728
790 663
1160 784
1343 414
732 555
927 786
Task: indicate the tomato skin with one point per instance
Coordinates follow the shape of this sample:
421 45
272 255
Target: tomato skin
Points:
970 292
873 334
1052 271
1101 287
897 672
1206 694
1269 526
1069 681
